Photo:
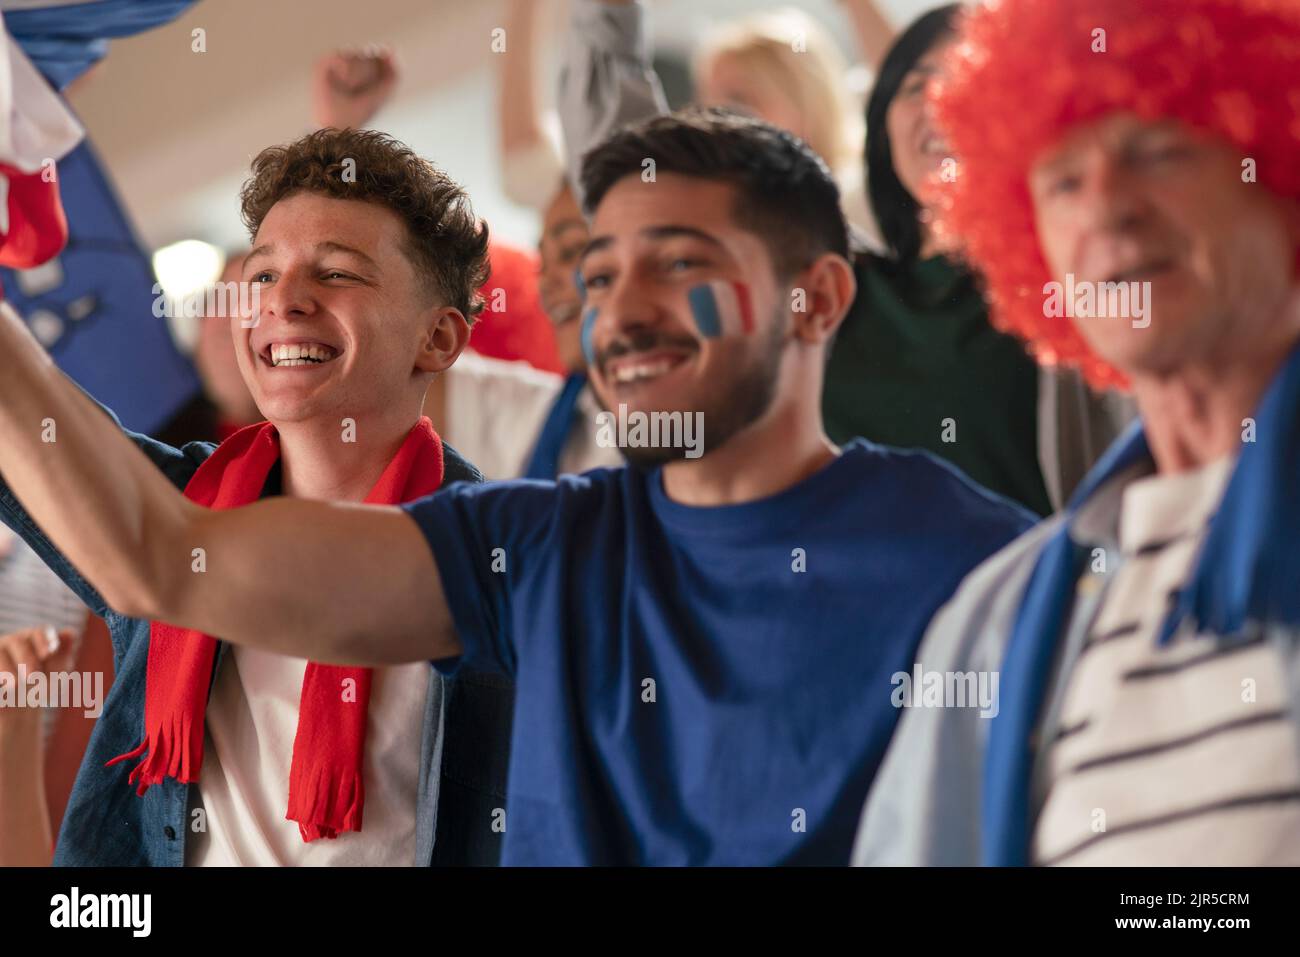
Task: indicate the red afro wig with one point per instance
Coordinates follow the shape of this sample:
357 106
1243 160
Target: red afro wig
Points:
1023 74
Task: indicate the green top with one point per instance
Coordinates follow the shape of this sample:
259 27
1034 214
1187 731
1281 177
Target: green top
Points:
917 365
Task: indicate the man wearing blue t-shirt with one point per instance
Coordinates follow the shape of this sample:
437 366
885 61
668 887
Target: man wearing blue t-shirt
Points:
706 644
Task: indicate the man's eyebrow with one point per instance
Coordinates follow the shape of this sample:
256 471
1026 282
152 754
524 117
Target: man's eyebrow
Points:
673 232
565 225
1051 163
1157 130
263 250
1061 157
656 233
596 244
329 246
559 230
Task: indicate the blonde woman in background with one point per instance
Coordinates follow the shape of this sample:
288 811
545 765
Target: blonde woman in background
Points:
784 67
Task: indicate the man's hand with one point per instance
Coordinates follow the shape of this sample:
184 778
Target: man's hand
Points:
875 33
350 86
34 650
25 833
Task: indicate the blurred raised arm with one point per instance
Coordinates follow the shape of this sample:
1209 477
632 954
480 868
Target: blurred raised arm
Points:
875 34
606 80
531 169
350 86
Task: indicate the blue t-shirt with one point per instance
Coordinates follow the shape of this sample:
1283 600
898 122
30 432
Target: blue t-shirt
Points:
703 685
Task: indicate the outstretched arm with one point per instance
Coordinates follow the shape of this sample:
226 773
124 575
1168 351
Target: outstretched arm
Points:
335 583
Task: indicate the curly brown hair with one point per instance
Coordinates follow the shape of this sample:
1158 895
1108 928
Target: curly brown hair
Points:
447 244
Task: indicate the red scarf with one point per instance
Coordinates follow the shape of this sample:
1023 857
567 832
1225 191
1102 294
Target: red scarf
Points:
326 794
37 228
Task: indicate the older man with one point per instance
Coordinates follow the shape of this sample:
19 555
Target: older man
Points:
1148 639
206 755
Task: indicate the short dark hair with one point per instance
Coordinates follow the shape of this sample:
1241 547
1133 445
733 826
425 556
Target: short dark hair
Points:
445 242
785 193
896 210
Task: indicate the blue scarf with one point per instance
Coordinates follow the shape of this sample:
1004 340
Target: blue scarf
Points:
1249 568
545 463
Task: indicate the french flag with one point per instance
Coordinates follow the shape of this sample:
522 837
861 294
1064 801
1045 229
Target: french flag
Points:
721 308
82 282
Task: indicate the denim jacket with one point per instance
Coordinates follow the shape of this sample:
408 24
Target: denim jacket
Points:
465 735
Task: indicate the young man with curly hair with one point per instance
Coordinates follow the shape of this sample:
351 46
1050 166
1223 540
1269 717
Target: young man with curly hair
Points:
366 260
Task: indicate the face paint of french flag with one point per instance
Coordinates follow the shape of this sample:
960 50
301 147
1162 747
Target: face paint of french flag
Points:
721 308
588 324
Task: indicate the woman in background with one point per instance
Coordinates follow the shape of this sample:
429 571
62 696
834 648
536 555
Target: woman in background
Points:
784 67
917 362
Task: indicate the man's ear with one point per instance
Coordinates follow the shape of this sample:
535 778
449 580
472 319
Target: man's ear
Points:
821 297
446 336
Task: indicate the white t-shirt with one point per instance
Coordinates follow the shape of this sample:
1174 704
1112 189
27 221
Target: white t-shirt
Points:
243 789
495 410
1177 754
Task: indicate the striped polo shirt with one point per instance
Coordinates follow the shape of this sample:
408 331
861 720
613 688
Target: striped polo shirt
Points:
1174 755
31 596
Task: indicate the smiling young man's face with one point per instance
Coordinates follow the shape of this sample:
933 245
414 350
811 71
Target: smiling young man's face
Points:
652 243
564 235
1123 200
344 316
